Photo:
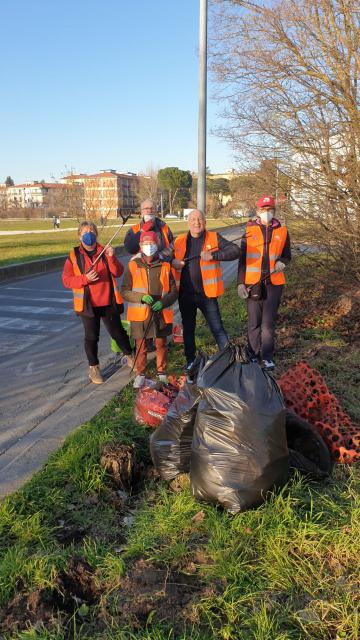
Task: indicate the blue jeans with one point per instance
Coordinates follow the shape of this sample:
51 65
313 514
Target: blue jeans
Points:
189 303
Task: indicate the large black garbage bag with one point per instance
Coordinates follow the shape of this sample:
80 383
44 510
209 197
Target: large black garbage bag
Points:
239 449
308 452
170 444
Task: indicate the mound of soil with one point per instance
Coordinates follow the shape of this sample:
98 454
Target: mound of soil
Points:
73 588
166 595
120 462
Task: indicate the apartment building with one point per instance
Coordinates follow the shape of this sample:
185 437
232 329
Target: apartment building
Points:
108 193
34 194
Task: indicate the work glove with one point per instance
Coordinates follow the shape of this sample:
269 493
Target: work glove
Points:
147 300
279 266
243 291
157 306
147 226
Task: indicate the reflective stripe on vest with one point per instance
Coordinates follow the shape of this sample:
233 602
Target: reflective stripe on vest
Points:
255 252
78 294
164 231
211 272
137 311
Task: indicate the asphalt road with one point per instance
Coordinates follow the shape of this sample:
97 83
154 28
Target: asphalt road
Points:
42 360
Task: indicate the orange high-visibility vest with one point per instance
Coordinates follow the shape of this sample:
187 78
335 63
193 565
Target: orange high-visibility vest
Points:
211 272
137 311
78 294
255 252
164 230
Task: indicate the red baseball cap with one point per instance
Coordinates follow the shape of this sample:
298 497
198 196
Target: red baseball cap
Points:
265 201
150 236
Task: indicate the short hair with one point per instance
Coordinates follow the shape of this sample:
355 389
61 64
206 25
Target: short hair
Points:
88 223
147 201
197 211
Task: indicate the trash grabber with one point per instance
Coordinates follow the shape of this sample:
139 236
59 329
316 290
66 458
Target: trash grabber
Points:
261 280
124 220
215 248
143 340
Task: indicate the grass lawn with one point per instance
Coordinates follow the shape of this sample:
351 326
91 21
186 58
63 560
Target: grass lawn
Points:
79 561
27 247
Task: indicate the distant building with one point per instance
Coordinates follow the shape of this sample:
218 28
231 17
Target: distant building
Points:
108 192
34 194
3 201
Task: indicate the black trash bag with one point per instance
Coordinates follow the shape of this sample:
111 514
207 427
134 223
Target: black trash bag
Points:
308 452
239 449
170 443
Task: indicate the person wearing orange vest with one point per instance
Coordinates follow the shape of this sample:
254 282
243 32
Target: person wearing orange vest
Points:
199 279
150 222
96 294
265 252
150 290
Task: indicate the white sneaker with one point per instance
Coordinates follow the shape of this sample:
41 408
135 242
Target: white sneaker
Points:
269 365
162 377
139 382
127 361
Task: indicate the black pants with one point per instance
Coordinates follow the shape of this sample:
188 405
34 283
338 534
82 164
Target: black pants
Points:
261 322
189 303
112 322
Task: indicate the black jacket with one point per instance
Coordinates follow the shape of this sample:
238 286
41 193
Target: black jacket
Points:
131 240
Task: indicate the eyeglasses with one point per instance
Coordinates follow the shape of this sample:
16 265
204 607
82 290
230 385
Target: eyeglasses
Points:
148 209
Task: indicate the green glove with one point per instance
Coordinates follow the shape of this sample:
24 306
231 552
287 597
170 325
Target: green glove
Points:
147 299
157 306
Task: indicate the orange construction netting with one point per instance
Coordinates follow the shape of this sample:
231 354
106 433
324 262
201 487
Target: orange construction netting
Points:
306 393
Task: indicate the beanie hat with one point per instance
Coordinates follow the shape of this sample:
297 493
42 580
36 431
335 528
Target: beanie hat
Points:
265 201
149 236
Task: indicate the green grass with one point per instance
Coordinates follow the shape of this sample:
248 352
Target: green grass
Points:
27 247
288 570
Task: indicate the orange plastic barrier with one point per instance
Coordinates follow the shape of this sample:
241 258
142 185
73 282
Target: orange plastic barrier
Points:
306 393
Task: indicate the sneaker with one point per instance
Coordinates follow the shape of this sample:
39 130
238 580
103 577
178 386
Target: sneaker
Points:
95 375
127 361
269 365
188 372
139 382
162 377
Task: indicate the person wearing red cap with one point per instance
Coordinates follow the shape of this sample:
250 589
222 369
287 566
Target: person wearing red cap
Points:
265 252
150 290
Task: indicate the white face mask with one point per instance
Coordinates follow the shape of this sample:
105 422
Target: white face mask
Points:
149 249
266 216
149 216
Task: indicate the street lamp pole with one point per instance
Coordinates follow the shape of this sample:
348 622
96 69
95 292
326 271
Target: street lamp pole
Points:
201 187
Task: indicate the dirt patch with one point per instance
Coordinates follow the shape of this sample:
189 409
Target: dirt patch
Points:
121 464
73 587
165 595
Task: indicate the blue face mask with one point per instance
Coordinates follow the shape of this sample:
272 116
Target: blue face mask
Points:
88 238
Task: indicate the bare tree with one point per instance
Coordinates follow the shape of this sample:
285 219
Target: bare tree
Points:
148 186
288 75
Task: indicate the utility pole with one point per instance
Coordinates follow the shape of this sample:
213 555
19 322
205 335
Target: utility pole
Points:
201 187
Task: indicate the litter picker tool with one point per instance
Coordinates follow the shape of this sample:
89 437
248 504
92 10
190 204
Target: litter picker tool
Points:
124 218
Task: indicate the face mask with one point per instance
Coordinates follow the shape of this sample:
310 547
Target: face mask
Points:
89 238
266 216
148 217
149 249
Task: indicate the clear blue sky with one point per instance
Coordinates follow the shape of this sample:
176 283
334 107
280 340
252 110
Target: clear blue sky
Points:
92 85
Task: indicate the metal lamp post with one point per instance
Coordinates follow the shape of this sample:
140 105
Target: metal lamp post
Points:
201 187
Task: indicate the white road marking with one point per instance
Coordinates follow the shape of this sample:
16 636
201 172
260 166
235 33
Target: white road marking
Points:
25 324
57 291
20 309
3 295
